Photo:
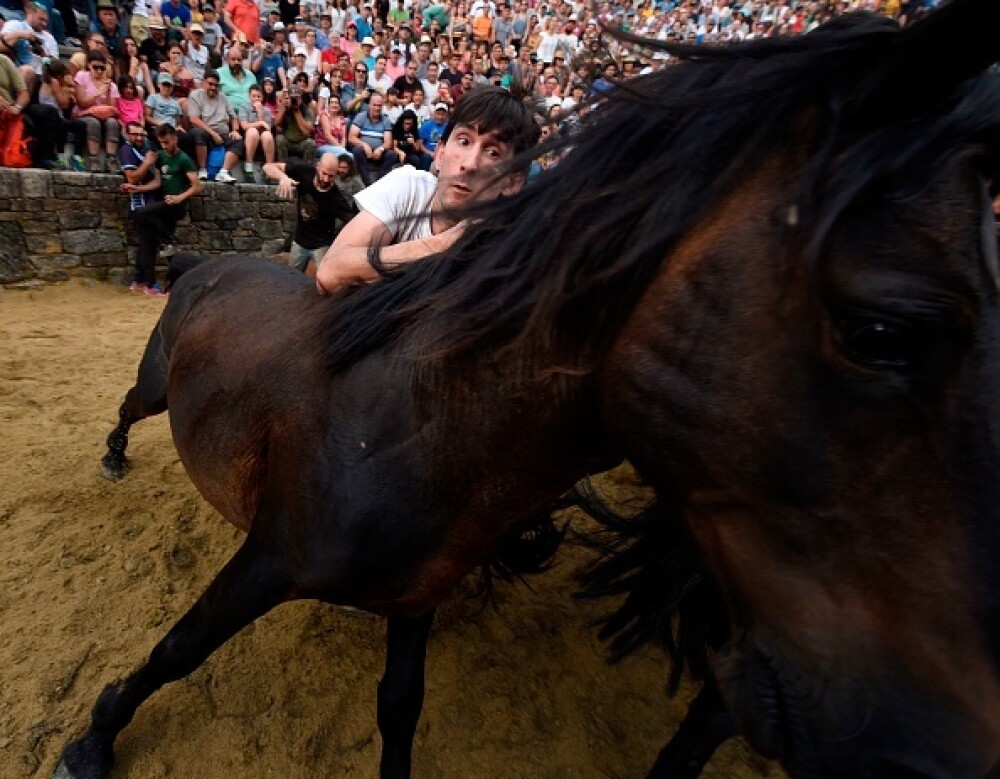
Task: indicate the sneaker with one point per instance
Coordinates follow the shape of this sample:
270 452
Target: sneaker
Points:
203 174
59 164
224 177
135 286
168 251
156 291
248 171
77 163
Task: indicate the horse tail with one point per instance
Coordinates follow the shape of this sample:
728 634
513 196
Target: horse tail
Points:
649 564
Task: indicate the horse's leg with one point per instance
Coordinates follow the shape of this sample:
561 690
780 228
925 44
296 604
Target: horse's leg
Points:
250 585
147 398
704 729
401 692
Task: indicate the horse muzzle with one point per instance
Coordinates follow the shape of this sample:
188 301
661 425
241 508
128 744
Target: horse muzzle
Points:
832 725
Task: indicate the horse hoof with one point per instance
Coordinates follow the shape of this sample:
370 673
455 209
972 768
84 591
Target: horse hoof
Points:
63 772
113 471
91 758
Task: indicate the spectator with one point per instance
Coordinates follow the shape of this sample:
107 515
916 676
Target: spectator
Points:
30 41
213 123
243 16
183 78
296 118
313 55
392 109
370 141
407 142
325 33
270 92
142 185
348 181
109 25
433 129
176 15
130 63
196 53
59 91
398 14
394 66
299 67
462 88
96 94
408 81
257 124
156 222
378 79
214 34
154 48
331 129
129 103
431 82
320 206
354 96
365 52
235 80
349 44
419 106
273 65
267 24
163 108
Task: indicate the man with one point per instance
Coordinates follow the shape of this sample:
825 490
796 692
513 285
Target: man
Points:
296 119
399 14
321 204
213 123
431 83
452 74
176 15
156 221
348 181
30 41
408 81
243 16
413 214
463 87
154 48
108 24
432 130
370 141
214 34
503 26
142 185
235 80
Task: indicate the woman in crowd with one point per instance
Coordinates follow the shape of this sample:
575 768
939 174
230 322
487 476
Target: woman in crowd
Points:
257 124
460 25
354 95
183 78
407 141
130 64
350 43
331 129
96 94
269 93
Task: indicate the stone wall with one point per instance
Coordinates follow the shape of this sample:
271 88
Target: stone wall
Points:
54 225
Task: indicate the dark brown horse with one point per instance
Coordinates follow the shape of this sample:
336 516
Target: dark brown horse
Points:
768 278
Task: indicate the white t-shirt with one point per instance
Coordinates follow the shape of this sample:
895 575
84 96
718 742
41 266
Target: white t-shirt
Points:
401 200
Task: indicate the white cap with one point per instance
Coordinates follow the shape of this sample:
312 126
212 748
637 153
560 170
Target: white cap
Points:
440 106
278 26
368 41
301 50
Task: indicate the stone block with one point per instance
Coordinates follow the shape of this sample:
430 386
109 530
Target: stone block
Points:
269 248
122 276
10 182
275 210
79 219
39 224
28 285
220 211
36 183
92 241
53 262
70 186
53 275
46 243
196 208
14 264
247 244
187 234
104 259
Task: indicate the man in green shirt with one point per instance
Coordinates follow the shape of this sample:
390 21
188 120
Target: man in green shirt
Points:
155 222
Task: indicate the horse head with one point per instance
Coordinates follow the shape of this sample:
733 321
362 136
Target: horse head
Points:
812 375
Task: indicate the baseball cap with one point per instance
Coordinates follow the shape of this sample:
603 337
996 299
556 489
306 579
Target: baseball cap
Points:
368 41
278 26
301 50
165 78
440 106
196 28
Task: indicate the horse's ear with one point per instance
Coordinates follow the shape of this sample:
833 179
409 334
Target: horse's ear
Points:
933 56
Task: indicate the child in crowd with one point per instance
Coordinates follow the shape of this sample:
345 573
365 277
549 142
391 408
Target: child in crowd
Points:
129 103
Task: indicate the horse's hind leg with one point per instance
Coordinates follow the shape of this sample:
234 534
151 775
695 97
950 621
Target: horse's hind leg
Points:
250 585
706 727
147 398
401 692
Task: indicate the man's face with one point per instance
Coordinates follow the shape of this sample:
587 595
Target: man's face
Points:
467 82
211 87
37 18
169 142
326 172
432 72
467 168
234 59
375 107
108 18
454 62
411 69
343 169
136 135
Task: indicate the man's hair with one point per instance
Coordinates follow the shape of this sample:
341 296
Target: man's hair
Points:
209 73
491 109
165 129
130 125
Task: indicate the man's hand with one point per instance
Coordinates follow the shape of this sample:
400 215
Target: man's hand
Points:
172 200
216 138
129 187
234 135
377 153
368 149
286 186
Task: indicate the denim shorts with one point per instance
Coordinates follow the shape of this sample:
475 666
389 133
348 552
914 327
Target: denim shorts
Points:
301 255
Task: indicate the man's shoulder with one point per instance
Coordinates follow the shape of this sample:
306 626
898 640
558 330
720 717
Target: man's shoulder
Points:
405 183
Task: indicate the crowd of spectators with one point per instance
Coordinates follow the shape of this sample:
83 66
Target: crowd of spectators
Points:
246 85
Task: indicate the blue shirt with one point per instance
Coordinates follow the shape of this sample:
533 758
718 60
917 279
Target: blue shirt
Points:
430 134
372 133
172 13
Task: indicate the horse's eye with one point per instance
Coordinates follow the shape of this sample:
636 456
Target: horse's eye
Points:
879 343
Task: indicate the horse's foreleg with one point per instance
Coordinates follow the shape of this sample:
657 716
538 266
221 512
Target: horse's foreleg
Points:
250 585
705 728
401 692
147 398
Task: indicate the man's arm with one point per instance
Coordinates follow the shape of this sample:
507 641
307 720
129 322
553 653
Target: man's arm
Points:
136 175
193 189
347 259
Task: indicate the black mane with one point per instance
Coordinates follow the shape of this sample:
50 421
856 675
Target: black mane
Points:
575 249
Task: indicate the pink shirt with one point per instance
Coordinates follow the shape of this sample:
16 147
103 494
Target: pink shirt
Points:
130 110
85 80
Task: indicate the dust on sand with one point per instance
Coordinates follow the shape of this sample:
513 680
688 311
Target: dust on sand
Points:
93 573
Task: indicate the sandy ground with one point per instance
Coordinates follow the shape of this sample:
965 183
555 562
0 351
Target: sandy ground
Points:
93 573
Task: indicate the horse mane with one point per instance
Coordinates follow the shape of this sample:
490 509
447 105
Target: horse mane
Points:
573 250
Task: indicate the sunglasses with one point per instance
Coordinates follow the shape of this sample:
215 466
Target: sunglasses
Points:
98 67
361 70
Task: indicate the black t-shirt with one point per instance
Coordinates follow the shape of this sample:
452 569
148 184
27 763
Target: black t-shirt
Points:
401 83
155 55
318 211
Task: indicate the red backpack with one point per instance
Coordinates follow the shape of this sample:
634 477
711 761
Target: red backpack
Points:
13 142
